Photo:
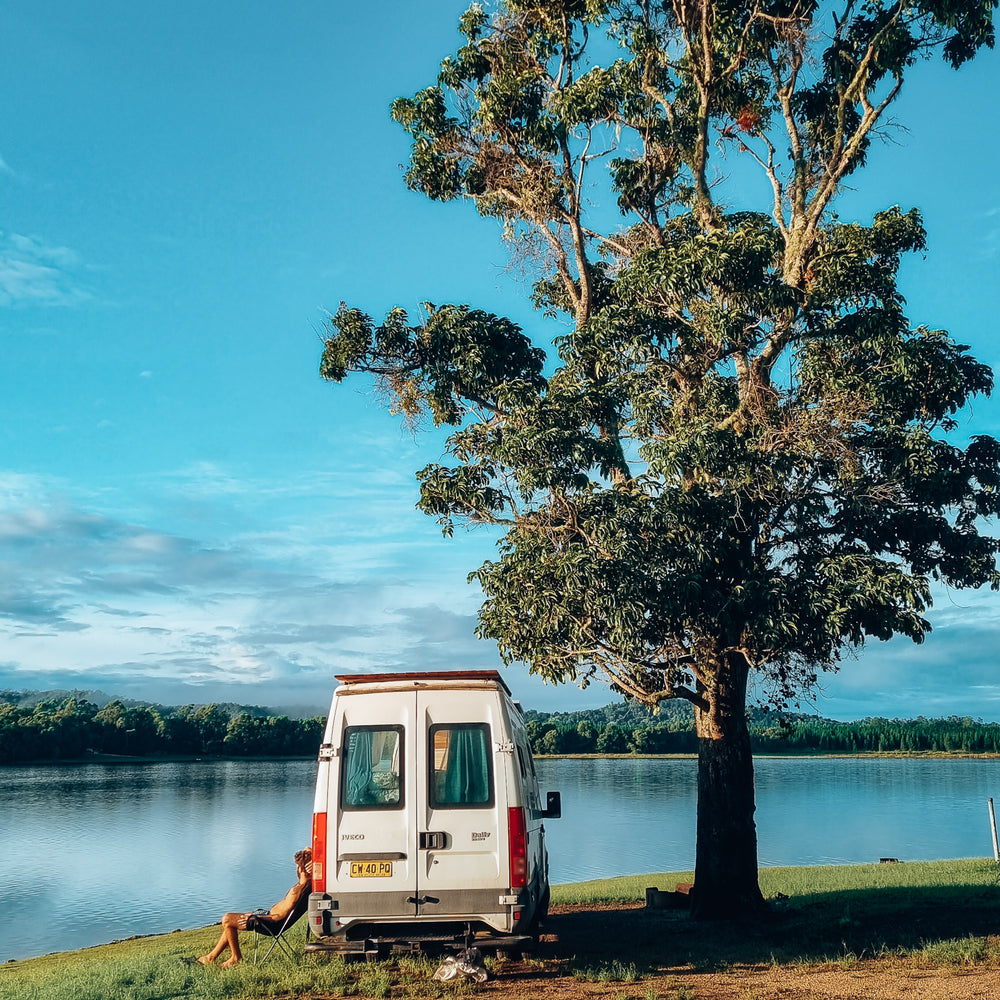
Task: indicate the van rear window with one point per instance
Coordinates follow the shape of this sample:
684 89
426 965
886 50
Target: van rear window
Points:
461 767
371 775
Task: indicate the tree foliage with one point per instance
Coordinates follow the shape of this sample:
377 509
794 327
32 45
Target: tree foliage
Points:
741 457
74 728
615 730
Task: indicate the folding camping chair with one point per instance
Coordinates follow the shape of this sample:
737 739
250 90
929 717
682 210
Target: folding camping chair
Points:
268 933
269 936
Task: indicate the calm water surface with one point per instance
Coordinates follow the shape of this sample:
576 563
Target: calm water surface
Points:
93 853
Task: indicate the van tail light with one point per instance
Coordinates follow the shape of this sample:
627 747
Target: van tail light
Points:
319 852
517 837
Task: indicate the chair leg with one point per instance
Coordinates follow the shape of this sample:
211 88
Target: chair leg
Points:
277 941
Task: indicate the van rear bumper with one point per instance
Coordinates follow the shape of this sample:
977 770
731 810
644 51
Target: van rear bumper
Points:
415 937
497 910
356 924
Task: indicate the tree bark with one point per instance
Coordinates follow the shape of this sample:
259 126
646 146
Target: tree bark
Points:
725 881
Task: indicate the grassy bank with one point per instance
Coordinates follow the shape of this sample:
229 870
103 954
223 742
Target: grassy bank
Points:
941 912
786 755
931 912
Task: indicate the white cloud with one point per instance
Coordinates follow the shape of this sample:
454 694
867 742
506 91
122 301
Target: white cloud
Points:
91 598
987 236
29 247
218 588
32 273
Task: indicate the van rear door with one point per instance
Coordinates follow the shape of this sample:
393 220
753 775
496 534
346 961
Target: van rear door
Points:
462 851
376 867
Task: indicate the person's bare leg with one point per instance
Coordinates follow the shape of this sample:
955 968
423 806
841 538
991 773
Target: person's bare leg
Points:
232 930
229 938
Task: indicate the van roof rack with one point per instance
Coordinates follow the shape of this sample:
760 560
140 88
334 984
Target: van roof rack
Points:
426 675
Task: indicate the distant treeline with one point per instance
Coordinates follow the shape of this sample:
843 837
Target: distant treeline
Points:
628 729
73 728
33 727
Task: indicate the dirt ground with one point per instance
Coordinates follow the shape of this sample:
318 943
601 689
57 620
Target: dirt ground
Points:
863 982
589 952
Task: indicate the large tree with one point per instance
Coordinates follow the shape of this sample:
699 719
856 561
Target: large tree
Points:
740 458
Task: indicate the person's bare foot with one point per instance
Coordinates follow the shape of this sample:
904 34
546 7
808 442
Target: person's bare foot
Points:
204 960
230 962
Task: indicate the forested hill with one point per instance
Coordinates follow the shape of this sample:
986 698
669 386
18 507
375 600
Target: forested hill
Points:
69 726
29 699
73 725
629 728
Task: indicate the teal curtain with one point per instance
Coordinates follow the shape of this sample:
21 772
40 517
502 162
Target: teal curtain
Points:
371 769
467 775
358 767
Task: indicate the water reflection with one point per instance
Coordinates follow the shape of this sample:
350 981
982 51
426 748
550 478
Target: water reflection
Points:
93 853
830 811
626 817
620 817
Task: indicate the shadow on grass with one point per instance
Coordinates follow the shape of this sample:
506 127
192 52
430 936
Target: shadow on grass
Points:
832 926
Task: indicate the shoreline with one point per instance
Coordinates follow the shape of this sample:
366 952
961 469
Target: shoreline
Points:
116 759
791 755
113 758
809 889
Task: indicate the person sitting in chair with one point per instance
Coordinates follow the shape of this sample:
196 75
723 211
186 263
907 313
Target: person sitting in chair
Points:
294 904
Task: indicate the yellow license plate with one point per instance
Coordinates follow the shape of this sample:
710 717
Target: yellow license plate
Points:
371 869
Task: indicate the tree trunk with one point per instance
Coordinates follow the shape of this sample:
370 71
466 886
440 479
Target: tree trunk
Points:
725 881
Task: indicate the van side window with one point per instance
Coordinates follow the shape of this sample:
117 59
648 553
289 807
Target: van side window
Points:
531 798
460 766
372 768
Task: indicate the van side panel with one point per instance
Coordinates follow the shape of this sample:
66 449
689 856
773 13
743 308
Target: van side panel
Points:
526 781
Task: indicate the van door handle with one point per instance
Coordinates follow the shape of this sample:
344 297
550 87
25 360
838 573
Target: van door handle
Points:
422 900
433 841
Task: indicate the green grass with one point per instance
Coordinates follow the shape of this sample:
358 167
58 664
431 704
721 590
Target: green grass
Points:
616 890
614 971
811 881
153 969
936 913
942 913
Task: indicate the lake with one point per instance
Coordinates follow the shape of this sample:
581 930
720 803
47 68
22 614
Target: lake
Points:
93 853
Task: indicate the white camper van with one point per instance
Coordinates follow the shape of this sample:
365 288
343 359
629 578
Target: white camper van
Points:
427 824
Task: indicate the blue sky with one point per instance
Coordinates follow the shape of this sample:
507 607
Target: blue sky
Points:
187 513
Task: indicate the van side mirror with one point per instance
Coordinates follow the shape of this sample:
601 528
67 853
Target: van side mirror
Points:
553 806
